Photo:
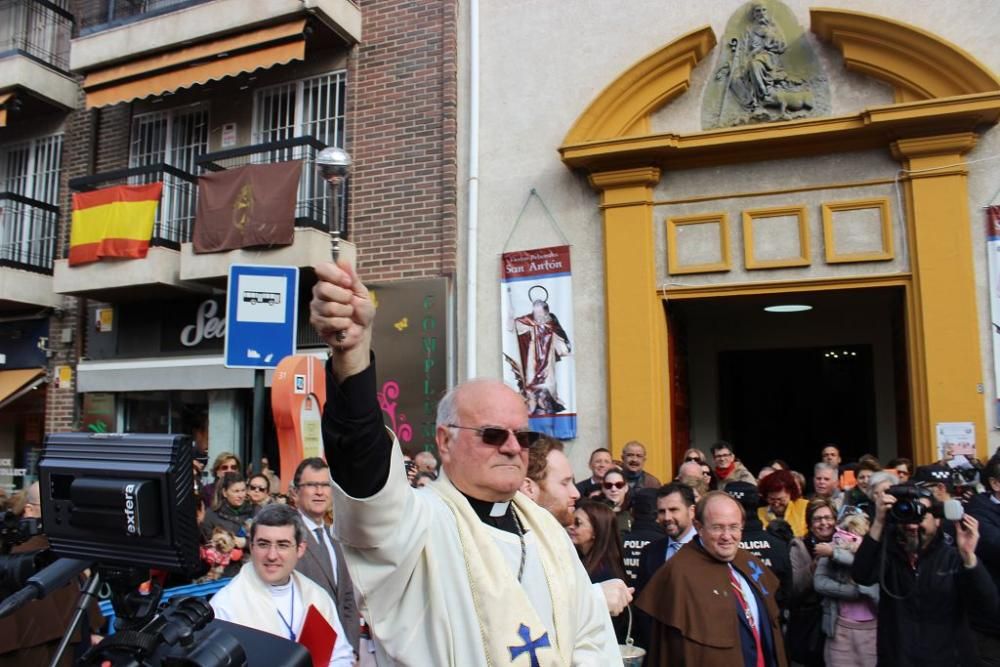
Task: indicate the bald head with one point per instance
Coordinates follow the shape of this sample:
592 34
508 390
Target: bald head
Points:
490 472
32 502
689 469
425 462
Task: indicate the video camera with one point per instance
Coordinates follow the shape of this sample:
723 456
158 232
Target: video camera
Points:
121 504
15 569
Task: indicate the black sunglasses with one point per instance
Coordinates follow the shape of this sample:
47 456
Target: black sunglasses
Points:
692 458
495 436
254 487
614 485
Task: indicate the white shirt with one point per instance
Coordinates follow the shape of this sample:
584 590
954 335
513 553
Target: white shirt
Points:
682 540
748 595
311 526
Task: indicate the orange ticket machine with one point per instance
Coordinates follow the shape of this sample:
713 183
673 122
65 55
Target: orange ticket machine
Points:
298 394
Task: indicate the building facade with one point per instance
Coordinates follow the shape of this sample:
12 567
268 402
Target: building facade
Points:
168 91
708 160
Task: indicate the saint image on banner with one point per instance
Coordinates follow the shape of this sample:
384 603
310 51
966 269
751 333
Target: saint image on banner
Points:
536 297
541 342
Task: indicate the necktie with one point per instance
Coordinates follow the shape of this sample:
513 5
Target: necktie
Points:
672 549
324 554
745 608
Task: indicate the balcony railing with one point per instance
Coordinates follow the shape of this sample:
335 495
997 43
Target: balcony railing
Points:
106 14
312 208
28 231
174 215
38 29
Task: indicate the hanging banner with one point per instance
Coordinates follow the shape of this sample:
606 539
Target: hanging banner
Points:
536 304
993 261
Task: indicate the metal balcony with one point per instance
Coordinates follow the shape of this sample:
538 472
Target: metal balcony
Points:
34 50
159 272
28 229
312 212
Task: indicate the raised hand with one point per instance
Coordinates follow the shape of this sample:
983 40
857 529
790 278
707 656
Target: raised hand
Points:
341 305
967 537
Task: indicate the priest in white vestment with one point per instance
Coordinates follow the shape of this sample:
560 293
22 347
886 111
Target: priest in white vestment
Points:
271 596
467 571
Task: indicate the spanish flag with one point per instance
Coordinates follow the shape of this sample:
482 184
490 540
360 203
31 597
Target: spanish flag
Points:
113 222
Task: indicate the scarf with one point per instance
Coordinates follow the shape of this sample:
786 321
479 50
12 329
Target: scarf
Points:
723 473
506 617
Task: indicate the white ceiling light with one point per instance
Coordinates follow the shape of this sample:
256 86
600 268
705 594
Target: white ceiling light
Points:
788 308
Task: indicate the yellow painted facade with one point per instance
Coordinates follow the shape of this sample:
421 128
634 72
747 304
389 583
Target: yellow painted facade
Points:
943 97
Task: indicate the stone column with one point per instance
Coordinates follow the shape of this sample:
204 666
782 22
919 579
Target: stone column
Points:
638 381
945 359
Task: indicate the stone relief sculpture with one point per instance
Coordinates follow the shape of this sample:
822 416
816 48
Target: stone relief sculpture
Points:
767 71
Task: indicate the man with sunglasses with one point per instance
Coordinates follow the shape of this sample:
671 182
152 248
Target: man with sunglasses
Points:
491 576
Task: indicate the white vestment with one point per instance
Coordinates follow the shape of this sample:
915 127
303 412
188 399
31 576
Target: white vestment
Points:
247 600
405 553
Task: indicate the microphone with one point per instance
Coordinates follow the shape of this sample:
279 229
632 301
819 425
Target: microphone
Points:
53 577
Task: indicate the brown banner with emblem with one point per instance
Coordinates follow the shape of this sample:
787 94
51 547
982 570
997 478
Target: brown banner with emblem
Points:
247 206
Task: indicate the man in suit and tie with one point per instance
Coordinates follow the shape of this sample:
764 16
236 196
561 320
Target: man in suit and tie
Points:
323 561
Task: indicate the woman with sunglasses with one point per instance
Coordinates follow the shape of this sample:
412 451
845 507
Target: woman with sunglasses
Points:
695 455
259 490
614 489
594 533
224 463
805 631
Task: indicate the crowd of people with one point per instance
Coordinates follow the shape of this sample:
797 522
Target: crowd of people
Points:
489 552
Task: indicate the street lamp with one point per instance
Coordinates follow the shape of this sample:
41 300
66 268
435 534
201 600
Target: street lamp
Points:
333 164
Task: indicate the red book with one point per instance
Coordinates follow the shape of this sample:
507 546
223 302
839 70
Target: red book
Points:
318 636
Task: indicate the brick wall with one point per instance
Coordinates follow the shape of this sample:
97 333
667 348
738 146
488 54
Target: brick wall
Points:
401 132
93 141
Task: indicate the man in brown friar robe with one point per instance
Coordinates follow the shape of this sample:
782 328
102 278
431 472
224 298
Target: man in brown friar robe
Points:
713 604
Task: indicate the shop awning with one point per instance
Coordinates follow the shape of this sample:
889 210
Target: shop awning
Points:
16 383
4 98
197 64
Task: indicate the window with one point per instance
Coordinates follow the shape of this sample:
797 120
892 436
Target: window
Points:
29 195
311 107
175 137
40 30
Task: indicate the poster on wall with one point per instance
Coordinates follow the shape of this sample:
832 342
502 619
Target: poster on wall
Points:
956 438
536 310
993 262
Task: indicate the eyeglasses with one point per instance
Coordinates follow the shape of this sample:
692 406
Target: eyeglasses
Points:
723 456
732 529
696 459
496 437
824 518
315 486
254 487
283 546
228 467
614 485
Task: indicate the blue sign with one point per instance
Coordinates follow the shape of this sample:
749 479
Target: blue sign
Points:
261 307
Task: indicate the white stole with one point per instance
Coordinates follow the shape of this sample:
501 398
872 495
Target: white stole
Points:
502 606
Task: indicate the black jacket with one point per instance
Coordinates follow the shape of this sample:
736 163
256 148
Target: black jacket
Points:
773 552
928 626
988 551
633 543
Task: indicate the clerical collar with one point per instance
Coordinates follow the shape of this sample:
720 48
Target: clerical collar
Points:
498 515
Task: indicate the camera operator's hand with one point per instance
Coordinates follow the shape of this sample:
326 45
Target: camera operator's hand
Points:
883 503
341 304
967 537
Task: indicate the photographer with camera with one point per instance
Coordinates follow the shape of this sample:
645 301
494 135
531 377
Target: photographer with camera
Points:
986 508
930 584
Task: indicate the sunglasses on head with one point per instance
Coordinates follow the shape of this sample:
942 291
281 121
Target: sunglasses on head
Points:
496 437
614 485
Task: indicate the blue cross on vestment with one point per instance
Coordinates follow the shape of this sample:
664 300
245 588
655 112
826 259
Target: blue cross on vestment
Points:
529 646
756 573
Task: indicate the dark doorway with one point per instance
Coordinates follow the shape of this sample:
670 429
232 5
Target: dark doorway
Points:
788 403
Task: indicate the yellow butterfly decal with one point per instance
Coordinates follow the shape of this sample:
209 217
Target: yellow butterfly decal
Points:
402 324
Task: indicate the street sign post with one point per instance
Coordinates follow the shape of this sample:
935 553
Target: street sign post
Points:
261 310
261 307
